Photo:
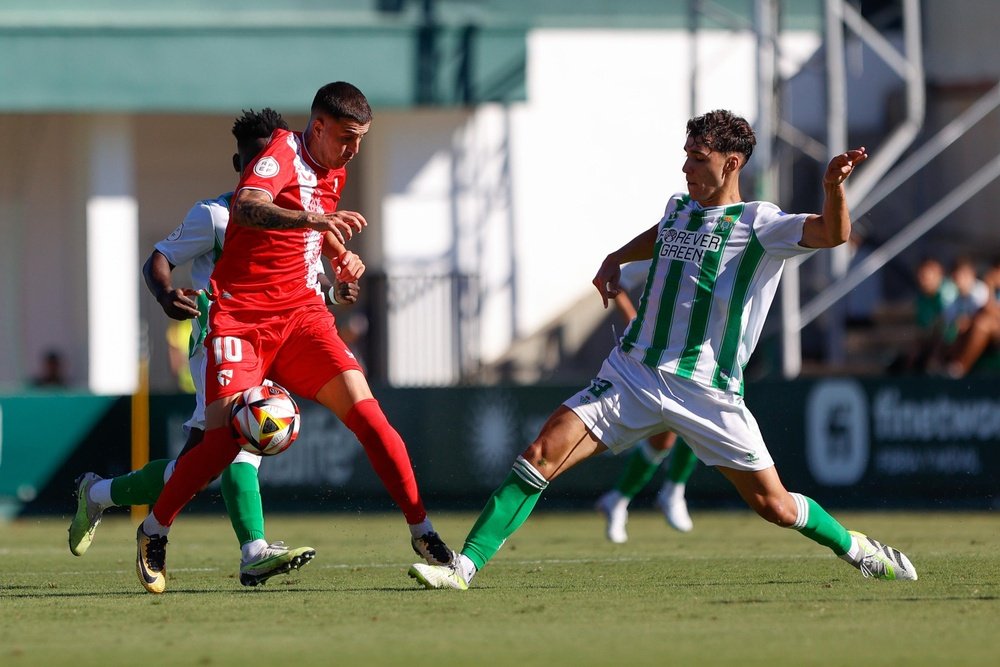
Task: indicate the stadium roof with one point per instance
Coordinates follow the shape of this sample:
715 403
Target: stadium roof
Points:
211 56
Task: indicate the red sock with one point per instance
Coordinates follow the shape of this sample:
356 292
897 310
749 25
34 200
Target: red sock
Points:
194 471
388 456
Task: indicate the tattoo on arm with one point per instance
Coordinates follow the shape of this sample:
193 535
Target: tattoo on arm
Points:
250 211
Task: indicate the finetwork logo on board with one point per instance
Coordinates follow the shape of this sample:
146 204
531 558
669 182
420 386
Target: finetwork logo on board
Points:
837 436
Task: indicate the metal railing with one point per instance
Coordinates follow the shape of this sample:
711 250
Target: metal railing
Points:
423 330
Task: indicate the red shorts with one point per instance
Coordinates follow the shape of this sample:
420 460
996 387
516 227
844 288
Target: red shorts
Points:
299 349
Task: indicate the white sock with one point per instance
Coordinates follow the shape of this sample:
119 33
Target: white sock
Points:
673 490
253 549
421 529
616 498
653 456
100 493
466 568
152 527
854 553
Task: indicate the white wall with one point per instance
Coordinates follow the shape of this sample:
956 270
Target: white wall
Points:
42 256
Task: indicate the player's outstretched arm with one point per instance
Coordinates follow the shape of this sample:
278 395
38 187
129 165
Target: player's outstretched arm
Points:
176 303
833 227
608 278
254 208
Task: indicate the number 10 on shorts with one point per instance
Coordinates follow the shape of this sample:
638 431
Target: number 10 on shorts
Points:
227 348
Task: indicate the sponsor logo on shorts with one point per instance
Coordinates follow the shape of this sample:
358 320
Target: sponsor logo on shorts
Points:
598 386
266 167
751 458
224 377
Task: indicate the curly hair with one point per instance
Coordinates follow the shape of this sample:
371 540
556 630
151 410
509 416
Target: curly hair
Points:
254 125
723 131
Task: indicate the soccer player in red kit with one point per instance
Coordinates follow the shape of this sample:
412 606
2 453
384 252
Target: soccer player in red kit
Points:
268 318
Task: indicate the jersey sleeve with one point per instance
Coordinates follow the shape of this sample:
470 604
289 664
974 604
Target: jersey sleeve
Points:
196 235
779 232
273 168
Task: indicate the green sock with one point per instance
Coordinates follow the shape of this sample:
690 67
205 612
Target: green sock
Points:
241 492
682 463
815 523
639 469
505 511
139 487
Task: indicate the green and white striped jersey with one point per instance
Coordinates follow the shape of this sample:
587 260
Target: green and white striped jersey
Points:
711 281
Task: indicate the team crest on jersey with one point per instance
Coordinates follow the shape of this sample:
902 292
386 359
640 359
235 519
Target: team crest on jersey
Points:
224 377
176 234
266 167
725 224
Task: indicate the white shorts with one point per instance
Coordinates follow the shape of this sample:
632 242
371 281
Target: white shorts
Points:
196 362
629 401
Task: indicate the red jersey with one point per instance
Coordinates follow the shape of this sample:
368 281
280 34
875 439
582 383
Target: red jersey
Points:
268 269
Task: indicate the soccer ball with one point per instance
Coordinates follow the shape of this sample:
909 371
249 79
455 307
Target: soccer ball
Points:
265 420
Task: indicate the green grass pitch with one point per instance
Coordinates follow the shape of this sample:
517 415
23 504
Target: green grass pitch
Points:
736 591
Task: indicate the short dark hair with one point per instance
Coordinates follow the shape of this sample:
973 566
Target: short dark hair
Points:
342 100
254 125
723 131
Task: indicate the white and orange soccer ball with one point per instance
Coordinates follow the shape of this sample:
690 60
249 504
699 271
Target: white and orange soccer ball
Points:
265 420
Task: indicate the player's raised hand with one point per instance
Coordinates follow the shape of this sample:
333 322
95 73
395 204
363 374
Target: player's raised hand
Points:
842 165
348 267
179 303
608 279
342 224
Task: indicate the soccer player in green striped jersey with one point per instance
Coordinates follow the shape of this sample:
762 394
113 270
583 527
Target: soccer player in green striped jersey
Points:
715 265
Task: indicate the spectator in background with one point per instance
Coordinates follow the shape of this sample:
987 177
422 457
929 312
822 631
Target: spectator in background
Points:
935 292
971 294
983 330
52 374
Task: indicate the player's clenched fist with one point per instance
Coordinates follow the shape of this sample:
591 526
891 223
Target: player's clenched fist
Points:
348 267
